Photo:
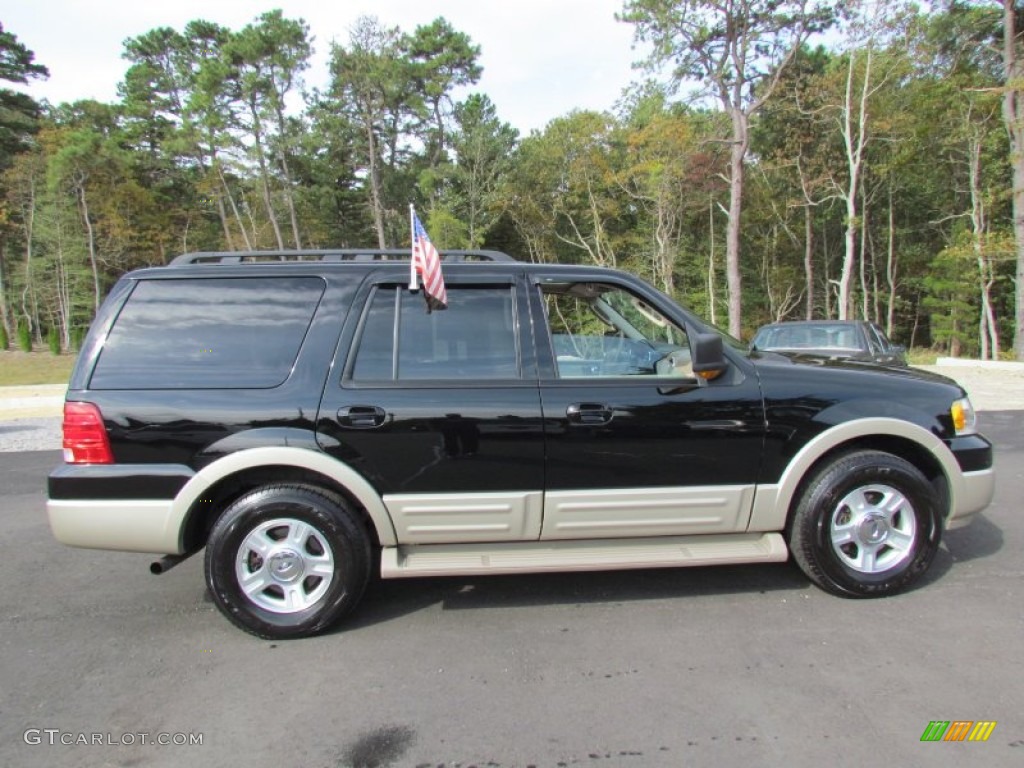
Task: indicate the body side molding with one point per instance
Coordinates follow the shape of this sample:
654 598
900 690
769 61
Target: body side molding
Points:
645 512
433 517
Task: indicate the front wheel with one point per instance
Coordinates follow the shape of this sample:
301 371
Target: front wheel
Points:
866 525
287 561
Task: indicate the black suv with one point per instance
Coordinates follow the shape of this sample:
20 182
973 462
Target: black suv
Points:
306 419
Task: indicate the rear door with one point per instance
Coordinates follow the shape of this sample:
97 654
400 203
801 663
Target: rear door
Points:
440 411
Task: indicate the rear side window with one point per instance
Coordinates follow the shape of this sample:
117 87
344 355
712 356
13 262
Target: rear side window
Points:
223 333
473 339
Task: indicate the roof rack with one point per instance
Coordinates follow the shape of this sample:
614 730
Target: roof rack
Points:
330 255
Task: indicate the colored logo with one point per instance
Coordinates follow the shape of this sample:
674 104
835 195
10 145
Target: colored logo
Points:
958 730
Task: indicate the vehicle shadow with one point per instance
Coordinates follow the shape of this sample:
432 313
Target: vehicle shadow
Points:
386 600
981 538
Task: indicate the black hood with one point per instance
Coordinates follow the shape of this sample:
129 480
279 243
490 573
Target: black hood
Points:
890 391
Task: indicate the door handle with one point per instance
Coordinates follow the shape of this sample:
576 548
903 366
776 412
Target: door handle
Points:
361 416
591 414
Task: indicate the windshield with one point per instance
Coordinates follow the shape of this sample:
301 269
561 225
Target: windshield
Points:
817 336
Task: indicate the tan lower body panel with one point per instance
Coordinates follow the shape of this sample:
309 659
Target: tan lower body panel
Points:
464 518
646 512
975 494
603 555
126 525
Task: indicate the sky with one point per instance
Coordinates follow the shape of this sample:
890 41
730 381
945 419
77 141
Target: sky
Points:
541 58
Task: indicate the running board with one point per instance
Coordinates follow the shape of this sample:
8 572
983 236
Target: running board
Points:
592 555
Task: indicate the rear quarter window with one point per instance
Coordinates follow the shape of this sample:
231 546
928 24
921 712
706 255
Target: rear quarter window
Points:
209 333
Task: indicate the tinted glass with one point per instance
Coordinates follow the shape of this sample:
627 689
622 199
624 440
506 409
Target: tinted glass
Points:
816 336
874 343
375 358
208 333
883 341
474 338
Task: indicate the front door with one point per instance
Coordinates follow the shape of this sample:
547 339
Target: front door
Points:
637 445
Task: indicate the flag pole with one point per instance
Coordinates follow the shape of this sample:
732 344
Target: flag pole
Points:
412 245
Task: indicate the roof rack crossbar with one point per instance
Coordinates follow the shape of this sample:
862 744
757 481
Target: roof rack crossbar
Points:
331 255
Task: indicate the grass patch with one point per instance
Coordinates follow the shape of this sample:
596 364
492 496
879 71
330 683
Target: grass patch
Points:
922 356
26 368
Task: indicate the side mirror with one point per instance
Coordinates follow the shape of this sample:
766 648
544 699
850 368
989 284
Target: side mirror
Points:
707 354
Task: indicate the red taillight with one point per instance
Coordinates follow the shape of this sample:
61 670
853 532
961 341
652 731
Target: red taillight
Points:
85 439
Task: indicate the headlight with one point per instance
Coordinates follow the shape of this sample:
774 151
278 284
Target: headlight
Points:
964 419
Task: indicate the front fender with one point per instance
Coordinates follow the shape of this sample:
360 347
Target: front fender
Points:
772 501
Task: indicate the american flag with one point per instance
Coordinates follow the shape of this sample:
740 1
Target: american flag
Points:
426 263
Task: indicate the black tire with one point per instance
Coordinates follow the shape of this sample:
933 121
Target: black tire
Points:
304 554
866 525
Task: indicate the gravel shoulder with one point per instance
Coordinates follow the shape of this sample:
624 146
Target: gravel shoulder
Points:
30 415
991 386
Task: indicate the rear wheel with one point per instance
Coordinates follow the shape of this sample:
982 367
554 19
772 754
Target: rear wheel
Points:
866 525
287 561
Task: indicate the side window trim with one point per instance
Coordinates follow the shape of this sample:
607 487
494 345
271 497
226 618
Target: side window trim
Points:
396 330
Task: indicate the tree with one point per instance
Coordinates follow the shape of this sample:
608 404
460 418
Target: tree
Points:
19 115
739 49
959 95
564 193
445 59
19 112
794 152
483 147
1013 117
265 61
373 85
177 111
872 67
670 175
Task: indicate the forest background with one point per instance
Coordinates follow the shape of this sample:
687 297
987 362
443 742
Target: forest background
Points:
748 174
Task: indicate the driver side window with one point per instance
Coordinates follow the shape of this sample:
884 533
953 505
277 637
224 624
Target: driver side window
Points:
600 330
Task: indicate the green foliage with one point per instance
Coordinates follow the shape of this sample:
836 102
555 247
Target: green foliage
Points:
951 301
53 341
19 113
24 337
919 356
4 341
447 231
483 149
